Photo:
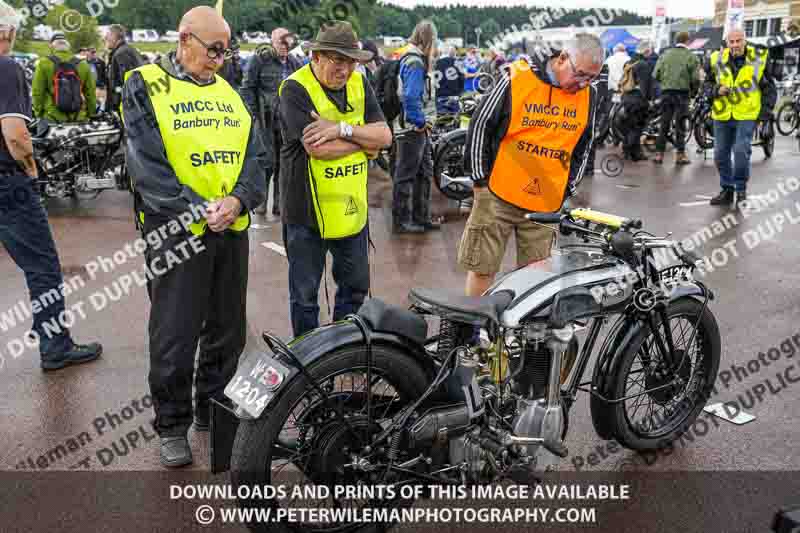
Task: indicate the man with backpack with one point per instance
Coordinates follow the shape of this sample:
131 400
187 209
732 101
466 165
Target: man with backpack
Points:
637 90
63 85
401 87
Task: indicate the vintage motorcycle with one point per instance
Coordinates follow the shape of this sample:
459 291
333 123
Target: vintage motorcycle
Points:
80 159
373 401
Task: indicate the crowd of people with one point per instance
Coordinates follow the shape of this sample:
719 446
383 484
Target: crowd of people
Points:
311 128
738 78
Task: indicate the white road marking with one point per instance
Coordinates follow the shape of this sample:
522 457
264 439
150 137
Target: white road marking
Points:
738 418
274 247
692 204
703 196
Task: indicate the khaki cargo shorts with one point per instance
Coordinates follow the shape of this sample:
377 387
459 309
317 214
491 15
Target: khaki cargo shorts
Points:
491 222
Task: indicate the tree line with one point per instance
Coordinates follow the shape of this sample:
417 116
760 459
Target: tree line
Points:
369 18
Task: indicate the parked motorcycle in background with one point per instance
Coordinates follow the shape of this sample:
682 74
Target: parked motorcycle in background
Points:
449 175
80 160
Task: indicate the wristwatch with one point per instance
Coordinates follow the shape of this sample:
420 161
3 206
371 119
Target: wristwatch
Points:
345 130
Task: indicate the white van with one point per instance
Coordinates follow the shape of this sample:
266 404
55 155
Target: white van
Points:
145 36
171 37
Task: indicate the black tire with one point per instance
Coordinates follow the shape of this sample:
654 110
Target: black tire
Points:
703 136
252 459
768 142
689 400
449 161
787 118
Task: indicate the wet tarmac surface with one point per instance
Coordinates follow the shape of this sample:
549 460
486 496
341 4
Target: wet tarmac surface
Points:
97 416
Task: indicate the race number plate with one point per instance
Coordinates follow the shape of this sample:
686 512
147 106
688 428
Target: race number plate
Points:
257 380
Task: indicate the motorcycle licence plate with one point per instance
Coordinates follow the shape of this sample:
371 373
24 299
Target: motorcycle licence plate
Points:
257 380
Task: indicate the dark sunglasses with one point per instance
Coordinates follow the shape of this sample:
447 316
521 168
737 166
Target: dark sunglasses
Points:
214 50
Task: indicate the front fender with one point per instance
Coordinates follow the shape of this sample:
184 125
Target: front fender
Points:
695 288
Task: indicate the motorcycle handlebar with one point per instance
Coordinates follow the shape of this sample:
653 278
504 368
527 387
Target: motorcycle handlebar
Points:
544 218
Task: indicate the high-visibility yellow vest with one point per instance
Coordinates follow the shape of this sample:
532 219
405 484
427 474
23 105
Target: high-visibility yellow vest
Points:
205 130
338 186
744 100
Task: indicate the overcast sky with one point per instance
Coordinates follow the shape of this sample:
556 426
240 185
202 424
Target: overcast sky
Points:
675 8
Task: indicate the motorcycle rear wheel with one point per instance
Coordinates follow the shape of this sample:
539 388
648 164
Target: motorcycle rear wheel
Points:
448 164
668 412
262 451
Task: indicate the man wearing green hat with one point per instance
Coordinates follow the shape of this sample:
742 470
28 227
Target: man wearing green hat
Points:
332 123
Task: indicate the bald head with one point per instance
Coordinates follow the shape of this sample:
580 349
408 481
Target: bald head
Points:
203 32
204 19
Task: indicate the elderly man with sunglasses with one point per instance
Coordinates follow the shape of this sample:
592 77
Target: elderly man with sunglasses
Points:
528 145
196 164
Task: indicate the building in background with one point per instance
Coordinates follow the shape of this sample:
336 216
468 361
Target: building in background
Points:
763 18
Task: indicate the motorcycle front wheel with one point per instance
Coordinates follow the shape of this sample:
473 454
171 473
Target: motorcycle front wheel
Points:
301 441
651 420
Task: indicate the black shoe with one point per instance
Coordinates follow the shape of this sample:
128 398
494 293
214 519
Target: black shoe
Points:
175 452
725 197
408 228
76 355
430 225
276 211
741 198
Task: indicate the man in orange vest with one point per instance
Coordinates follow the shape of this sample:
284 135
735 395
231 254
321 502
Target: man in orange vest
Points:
528 146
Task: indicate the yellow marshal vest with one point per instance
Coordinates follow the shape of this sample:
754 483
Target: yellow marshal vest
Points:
338 186
205 130
744 100
532 166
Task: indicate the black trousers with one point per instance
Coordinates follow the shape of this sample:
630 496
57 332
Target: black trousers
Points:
673 105
412 177
635 107
201 299
273 171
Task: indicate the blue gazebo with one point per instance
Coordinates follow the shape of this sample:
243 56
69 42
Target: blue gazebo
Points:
612 37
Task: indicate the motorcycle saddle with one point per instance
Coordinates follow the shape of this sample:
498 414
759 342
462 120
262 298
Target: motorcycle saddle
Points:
469 309
392 319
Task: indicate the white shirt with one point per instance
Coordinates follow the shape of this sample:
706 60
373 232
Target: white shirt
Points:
616 63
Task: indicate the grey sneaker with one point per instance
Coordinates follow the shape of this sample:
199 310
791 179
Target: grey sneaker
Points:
175 452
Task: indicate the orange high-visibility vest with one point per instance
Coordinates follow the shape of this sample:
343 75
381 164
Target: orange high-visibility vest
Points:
532 165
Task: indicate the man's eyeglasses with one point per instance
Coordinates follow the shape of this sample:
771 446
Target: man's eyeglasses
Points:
214 50
581 77
340 60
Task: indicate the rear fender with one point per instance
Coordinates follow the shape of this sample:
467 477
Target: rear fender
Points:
309 349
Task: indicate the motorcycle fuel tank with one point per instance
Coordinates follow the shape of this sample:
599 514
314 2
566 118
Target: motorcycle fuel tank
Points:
535 286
